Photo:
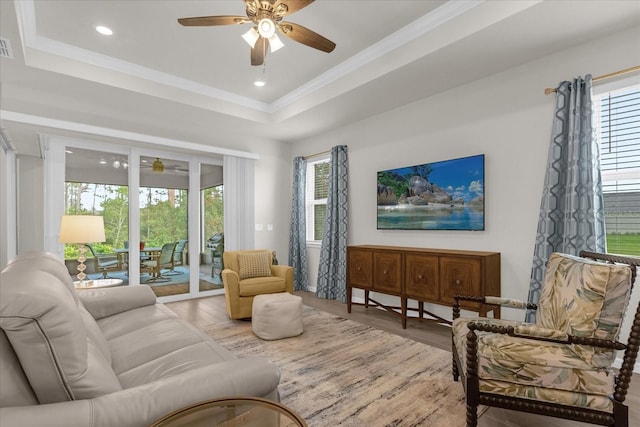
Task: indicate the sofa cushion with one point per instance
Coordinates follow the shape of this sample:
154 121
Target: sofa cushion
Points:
262 285
134 348
584 298
192 356
129 321
547 370
45 328
44 261
254 264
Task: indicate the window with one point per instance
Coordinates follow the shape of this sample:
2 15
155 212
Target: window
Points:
618 134
316 197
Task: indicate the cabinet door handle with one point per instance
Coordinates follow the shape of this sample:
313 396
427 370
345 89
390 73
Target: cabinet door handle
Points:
358 268
384 272
420 276
457 281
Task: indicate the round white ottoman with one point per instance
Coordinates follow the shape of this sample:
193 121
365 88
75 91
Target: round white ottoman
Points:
276 316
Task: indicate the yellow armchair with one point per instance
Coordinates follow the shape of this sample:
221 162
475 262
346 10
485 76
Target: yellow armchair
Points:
249 273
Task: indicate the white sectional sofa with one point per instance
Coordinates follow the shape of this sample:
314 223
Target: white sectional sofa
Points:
105 357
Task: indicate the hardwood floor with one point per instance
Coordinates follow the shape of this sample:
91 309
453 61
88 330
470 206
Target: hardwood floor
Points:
206 311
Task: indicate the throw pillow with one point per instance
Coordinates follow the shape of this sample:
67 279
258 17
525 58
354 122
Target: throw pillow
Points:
254 264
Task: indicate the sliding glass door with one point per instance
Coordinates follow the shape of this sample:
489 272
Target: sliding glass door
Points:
212 227
96 183
164 225
163 214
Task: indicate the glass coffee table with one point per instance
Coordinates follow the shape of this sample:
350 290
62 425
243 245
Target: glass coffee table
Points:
233 412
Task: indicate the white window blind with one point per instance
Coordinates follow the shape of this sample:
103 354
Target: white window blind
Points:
618 133
316 197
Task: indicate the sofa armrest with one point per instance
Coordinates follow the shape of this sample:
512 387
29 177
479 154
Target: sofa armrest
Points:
142 405
109 301
499 301
75 413
231 282
286 272
533 331
537 332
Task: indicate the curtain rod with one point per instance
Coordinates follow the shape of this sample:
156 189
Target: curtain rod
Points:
316 154
549 90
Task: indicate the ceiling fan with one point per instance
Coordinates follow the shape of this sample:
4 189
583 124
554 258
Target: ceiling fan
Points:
158 166
266 16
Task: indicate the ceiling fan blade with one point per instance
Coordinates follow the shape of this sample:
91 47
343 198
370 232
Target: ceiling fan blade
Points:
306 36
203 21
258 52
283 7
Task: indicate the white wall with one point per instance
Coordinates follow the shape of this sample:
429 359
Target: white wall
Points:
505 116
273 198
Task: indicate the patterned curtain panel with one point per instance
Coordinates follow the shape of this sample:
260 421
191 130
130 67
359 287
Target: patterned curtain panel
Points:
297 235
332 271
571 211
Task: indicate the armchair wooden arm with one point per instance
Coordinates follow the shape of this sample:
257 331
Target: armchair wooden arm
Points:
505 302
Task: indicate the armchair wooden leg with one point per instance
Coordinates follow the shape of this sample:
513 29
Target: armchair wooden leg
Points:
472 416
454 365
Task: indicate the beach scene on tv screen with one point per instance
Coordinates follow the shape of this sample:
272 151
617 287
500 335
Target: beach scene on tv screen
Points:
445 195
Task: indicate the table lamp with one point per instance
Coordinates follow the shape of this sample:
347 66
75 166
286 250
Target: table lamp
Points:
81 229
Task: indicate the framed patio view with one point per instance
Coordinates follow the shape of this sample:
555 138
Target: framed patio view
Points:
148 244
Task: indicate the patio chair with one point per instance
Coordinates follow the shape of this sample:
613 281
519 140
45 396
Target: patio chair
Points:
103 263
157 261
561 366
178 257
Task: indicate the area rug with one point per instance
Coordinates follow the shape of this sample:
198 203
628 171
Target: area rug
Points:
343 373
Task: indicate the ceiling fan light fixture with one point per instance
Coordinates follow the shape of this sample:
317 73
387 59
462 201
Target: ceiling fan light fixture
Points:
275 43
266 28
157 166
251 37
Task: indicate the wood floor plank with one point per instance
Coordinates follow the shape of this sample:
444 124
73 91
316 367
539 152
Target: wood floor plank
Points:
202 312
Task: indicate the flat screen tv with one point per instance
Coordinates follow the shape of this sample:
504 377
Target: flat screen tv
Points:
444 195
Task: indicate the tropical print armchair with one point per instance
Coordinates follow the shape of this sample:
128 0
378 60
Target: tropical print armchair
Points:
561 365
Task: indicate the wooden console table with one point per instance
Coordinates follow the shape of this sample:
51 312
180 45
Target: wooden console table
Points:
426 275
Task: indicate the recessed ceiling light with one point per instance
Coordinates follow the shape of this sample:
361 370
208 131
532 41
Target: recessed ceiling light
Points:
259 83
68 151
102 162
106 31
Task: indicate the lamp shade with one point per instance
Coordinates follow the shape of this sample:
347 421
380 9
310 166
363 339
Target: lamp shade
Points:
251 37
81 229
275 43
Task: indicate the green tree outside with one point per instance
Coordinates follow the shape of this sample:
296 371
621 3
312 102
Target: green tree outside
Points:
163 213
